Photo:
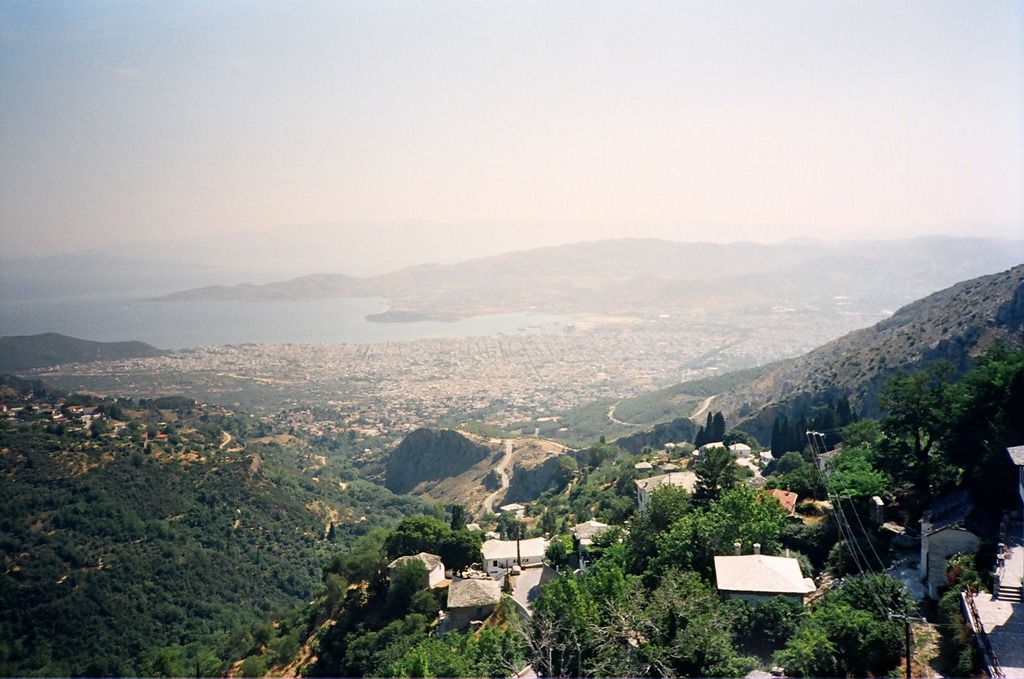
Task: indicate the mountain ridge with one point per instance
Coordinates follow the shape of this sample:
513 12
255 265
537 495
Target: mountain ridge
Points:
656 277
955 324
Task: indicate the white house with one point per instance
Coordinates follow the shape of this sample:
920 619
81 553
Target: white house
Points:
754 577
432 562
644 487
740 450
583 535
500 555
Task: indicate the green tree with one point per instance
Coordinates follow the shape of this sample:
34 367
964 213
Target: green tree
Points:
741 515
560 552
852 475
718 427
460 549
985 416
565 469
416 534
915 407
864 434
407 578
510 527
716 473
458 517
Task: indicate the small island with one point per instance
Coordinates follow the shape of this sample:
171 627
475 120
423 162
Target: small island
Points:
407 316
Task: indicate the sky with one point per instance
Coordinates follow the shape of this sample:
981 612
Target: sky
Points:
702 120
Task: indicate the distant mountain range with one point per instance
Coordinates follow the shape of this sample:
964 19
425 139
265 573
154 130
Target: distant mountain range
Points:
655 277
24 352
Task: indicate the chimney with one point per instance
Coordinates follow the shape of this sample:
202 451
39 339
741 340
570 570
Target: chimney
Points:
736 546
757 548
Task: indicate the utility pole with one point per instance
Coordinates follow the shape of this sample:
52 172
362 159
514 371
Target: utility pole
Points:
906 622
907 637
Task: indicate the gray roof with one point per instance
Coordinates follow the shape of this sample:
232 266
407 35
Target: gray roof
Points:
687 480
761 574
431 561
958 512
1017 455
473 592
588 529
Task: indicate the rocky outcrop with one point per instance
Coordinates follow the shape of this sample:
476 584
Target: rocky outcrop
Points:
431 455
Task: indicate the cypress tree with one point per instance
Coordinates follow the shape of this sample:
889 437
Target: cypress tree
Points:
718 427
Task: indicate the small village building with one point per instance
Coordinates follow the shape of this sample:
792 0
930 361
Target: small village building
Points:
432 562
472 600
740 450
786 498
756 577
583 535
643 467
644 487
502 555
514 508
949 526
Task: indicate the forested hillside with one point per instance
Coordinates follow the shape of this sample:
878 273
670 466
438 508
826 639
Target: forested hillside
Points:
154 539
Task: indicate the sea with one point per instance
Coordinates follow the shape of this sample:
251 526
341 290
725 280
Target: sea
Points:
107 314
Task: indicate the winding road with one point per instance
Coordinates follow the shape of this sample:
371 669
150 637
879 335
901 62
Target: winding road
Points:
488 504
611 416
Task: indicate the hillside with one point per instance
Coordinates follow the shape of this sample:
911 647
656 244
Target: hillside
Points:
448 466
645 277
160 535
24 352
954 325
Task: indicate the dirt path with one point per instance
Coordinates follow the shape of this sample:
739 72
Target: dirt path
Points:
704 405
488 504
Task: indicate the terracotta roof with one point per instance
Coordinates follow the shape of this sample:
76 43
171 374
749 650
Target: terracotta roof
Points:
786 498
759 573
431 561
473 592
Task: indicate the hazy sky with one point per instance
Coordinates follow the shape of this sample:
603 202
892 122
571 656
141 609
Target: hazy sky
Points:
151 120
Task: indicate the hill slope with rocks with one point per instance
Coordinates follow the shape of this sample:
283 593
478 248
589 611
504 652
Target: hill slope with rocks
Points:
427 457
955 325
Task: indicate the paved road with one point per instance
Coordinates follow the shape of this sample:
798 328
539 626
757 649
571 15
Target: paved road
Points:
526 585
506 459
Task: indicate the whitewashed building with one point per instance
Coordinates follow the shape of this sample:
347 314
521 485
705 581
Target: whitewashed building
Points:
500 555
